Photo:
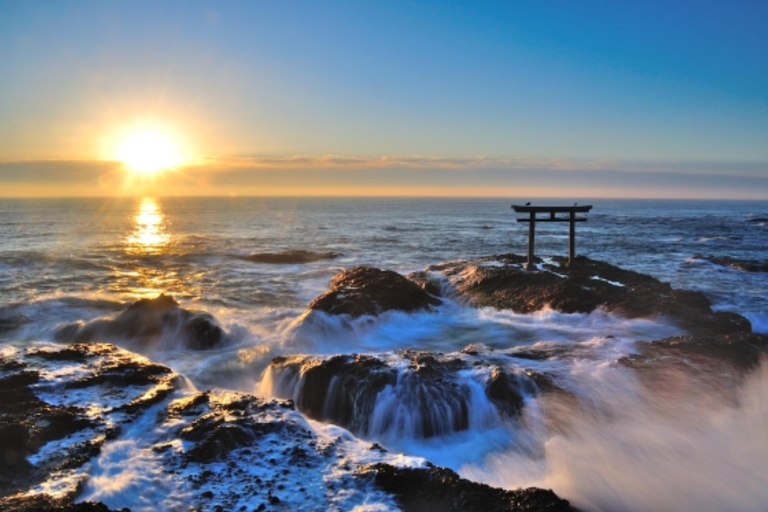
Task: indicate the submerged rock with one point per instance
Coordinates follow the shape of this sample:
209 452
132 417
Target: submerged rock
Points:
291 257
369 291
146 321
745 265
581 287
441 490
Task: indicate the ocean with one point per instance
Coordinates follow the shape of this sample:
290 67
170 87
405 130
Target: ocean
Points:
72 261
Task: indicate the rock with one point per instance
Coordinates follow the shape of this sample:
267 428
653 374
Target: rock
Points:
341 389
146 320
441 490
46 503
745 265
291 257
225 426
370 291
742 350
414 394
582 287
28 423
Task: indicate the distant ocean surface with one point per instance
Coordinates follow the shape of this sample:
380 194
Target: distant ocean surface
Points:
75 260
119 250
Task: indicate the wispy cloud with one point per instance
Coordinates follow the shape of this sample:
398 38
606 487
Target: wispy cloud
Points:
339 162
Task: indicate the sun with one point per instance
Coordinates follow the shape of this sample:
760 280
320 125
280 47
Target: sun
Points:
149 152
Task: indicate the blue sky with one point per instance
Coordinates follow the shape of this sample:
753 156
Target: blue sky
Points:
611 87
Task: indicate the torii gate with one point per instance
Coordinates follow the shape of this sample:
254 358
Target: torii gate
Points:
552 210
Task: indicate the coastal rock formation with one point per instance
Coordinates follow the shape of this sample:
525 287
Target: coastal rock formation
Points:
435 489
411 394
59 408
146 321
741 350
292 257
581 287
369 291
76 416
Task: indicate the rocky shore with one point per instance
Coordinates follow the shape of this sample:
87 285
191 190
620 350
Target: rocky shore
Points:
68 407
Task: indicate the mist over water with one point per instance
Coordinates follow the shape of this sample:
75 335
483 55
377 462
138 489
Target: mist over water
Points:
616 439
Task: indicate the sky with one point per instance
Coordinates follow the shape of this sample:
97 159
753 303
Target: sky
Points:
552 98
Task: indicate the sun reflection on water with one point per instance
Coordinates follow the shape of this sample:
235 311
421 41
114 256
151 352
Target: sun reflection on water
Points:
149 236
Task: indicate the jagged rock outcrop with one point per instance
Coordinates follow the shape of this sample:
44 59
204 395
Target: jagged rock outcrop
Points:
369 291
582 287
91 384
146 321
435 489
740 349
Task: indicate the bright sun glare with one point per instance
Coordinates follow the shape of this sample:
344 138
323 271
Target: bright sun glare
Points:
149 152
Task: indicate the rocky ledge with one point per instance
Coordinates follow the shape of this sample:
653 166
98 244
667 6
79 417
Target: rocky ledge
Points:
424 490
60 406
581 287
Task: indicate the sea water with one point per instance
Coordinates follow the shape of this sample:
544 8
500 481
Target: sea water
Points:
626 447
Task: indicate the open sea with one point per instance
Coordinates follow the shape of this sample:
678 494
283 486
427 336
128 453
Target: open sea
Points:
75 260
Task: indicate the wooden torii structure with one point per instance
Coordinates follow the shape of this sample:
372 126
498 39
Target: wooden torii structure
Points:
552 211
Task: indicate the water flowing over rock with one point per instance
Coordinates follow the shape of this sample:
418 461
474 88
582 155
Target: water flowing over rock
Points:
412 394
146 321
581 287
369 291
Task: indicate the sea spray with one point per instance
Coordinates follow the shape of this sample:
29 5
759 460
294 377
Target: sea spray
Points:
631 449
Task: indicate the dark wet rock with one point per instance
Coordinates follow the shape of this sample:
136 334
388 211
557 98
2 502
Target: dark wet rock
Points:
28 423
146 320
582 287
742 350
758 219
225 426
428 282
291 257
369 291
341 389
369 395
738 264
46 503
441 490
504 390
